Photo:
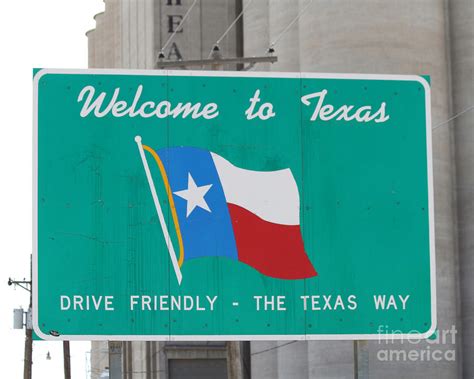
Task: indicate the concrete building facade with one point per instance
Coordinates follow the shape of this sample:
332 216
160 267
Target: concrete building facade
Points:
131 33
432 37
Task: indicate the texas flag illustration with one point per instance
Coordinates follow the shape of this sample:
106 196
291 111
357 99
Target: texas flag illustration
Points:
219 209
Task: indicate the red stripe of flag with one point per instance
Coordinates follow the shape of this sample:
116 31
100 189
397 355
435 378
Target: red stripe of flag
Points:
273 249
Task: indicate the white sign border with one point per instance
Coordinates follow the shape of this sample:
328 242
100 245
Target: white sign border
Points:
302 337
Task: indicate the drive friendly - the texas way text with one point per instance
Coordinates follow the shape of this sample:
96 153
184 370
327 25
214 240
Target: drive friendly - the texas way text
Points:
146 303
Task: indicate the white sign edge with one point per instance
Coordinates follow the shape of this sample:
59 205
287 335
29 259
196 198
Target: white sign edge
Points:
302 75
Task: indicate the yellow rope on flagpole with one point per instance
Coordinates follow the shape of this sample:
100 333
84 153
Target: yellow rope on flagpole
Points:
170 198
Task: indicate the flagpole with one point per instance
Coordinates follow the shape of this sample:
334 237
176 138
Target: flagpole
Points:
166 234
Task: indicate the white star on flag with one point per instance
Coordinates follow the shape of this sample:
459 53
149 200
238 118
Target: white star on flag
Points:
194 195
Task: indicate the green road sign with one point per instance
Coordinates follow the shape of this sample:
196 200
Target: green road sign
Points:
180 205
